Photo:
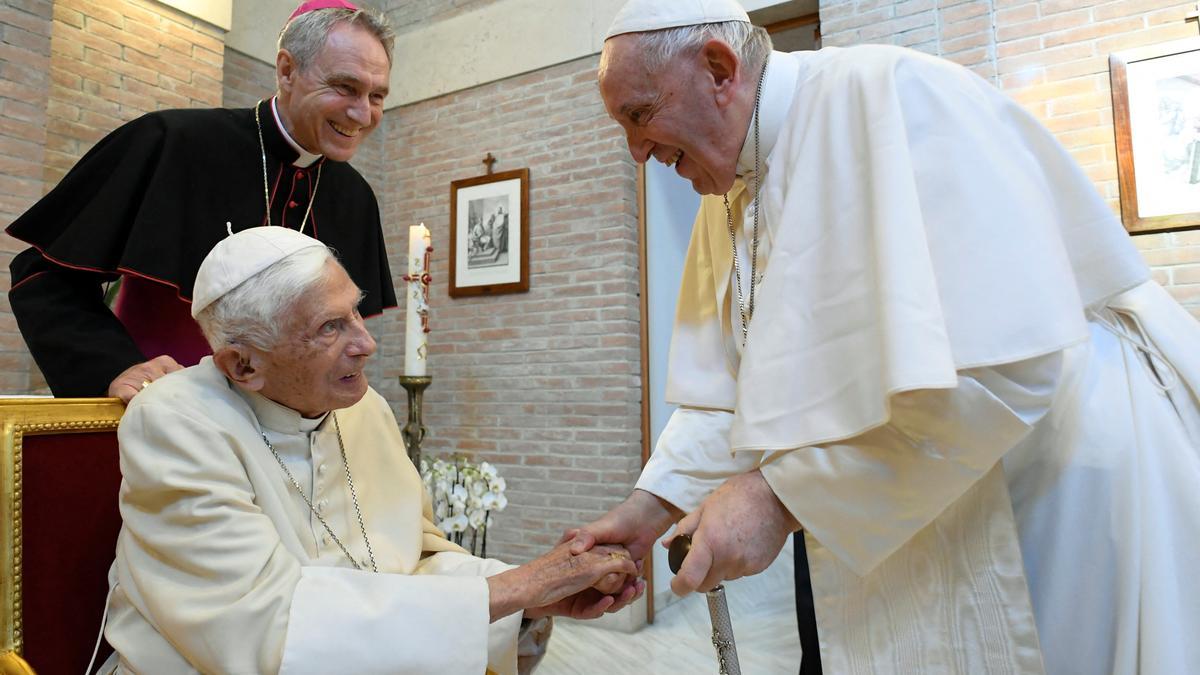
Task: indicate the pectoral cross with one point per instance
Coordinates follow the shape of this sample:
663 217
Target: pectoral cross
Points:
1194 15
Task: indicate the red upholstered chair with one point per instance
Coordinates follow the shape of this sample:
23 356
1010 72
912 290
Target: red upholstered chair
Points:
59 479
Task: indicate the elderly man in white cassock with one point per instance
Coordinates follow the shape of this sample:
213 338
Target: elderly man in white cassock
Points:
272 520
909 327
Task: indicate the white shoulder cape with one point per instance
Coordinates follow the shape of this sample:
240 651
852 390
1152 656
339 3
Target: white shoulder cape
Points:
874 285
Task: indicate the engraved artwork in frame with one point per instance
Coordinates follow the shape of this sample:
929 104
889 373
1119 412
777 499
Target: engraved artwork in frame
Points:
489 234
1156 115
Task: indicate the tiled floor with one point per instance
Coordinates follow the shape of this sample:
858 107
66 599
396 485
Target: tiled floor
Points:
764 622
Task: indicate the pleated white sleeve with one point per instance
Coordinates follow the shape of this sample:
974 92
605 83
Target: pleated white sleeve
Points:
865 497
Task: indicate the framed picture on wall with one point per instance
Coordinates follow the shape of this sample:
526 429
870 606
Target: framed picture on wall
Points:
1156 113
489 234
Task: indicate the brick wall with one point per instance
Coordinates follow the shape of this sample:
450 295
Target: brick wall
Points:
369 160
1052 57
111 62
544 384
25 27
71 71
246 80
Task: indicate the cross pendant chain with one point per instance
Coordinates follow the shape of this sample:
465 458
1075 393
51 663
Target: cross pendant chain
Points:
746 308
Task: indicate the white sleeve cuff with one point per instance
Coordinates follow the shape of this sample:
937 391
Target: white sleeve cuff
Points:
502 634
692 458
351 621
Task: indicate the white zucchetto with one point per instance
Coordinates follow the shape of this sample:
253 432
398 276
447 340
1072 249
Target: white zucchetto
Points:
240 256
638 16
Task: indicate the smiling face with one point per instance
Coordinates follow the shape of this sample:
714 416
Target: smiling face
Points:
689 115
318 366
330 106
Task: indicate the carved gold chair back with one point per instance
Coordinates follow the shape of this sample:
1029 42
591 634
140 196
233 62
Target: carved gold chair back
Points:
59 481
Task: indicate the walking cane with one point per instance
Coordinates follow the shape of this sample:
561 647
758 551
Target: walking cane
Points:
718 611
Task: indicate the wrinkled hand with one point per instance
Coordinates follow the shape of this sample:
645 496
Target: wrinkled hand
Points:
737 531
129 383
557 576
591 603
615 582
634 523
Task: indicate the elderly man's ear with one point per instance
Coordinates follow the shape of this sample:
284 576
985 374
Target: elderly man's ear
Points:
722 64
241 364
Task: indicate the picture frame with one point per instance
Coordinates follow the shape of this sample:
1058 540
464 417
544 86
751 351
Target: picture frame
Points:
489 234
1156 118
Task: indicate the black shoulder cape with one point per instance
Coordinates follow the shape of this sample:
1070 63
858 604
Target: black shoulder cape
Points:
152 198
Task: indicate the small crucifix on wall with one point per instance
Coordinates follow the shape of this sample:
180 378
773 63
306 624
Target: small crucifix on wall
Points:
489 160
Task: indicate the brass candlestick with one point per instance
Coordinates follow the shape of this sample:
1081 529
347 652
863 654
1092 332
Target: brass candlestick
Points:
414 432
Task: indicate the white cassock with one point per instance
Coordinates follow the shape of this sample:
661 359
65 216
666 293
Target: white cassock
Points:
222 568
958 379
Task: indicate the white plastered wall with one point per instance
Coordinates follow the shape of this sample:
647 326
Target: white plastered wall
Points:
217 12
256 25
496 41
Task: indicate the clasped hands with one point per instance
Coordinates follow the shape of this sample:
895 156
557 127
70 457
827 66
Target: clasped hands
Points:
580 585
738 530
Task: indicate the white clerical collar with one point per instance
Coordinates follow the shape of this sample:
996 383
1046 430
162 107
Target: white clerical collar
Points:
779 86
278 417
306 158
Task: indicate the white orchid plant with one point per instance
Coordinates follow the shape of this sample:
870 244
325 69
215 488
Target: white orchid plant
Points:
464 497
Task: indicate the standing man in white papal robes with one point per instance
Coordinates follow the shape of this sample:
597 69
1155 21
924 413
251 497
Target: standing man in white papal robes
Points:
910 327
272 521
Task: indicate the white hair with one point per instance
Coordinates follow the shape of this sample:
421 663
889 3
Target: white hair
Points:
657 48
255 312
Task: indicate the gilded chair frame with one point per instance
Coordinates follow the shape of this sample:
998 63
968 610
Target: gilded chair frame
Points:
20 417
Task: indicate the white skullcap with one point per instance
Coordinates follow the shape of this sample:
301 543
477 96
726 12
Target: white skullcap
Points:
240 256
637 16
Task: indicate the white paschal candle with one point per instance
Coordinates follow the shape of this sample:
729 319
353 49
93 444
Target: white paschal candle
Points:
416 339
